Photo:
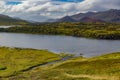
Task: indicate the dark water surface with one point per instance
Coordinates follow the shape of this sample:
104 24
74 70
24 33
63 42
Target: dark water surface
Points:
68 44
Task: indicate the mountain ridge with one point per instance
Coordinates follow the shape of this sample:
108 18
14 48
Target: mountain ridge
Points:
112 15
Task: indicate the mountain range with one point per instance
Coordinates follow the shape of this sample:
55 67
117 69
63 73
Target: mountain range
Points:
112 15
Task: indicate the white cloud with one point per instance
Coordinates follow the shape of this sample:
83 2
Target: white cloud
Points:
41 10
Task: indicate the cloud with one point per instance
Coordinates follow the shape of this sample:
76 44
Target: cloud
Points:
40 10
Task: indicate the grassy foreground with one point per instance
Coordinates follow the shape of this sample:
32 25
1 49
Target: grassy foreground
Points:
16 60
104 67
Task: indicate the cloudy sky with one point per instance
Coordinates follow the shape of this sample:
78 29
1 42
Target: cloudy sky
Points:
41 10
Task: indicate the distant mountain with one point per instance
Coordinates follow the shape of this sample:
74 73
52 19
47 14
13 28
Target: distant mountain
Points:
112 15
66 19
6 20
88 19
80 16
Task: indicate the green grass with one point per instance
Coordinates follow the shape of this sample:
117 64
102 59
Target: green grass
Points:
104 67
15 60
106 64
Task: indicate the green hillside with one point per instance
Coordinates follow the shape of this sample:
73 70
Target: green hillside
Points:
6 20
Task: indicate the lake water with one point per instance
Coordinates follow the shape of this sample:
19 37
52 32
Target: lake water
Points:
68 44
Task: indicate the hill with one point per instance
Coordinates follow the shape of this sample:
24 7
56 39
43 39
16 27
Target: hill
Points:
6 20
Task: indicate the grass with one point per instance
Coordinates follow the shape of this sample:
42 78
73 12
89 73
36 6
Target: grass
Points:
14 60
104 67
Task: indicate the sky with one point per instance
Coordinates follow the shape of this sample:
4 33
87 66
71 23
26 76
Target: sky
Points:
41 10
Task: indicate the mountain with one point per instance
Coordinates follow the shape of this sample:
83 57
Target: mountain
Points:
88 19
112 15
6 20
66 19
80 16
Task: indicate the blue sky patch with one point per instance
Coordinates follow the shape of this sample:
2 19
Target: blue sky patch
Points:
69 0
13 3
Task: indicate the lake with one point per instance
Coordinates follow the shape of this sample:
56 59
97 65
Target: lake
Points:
58 44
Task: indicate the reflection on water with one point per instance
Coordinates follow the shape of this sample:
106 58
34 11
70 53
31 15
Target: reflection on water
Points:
68 44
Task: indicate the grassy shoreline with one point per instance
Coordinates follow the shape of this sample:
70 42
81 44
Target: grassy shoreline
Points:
110 31
15 60
24 64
